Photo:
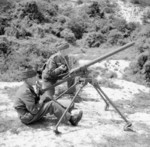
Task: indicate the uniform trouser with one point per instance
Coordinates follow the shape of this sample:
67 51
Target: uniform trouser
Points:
50 93
49 107
70 82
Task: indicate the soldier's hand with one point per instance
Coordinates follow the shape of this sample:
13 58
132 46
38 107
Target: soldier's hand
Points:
63 67
41 103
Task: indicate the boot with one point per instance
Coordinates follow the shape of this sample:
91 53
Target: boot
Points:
76 118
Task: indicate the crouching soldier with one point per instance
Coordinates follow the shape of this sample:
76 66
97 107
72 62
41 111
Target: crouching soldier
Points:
29 107
56 68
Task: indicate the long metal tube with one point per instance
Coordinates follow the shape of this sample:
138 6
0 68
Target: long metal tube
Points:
91 63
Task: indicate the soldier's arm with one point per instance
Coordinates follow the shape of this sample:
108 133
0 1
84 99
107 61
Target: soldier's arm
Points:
53 69
29 100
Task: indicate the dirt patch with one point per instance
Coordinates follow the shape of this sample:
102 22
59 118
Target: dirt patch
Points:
97 128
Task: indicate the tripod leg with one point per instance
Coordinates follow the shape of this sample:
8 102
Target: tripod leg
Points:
128 124
66 91
56 127
107 104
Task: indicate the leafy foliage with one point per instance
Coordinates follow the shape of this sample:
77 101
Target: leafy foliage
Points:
33 27
95 39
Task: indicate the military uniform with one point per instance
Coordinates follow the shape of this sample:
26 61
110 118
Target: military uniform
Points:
51 72
28 107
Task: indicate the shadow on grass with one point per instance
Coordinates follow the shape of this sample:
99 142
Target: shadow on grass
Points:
129 140
140 102
10 92
45 123
15 126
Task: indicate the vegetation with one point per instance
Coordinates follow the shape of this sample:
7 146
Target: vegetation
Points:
30 30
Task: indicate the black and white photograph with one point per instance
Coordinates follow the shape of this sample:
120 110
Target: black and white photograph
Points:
74 73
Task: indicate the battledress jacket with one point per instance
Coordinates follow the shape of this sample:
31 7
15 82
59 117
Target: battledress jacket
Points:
51 70
26 103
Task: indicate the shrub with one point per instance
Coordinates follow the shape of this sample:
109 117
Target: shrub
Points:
22 56
3 24
29 9
135 1
4 48
143 44
145 31
146 16
59 25
94 10
68 35
12 31
77 26
120 24
48 9
141 2
66 11
114 37
146 69
109 10
38 31
131 26
95 39
100 24
56 29
134 66
79 2
142 58
17 32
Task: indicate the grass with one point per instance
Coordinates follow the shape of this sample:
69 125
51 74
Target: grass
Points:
139 140
11 92
140 102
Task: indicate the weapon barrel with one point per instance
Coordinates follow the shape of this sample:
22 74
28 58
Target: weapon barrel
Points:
93 62
108 55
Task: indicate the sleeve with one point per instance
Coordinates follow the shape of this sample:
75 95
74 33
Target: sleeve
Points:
53 69
29 100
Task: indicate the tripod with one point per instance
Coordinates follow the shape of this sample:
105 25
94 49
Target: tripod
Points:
83 82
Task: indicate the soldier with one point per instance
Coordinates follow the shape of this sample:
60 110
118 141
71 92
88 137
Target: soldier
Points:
30 109
56 68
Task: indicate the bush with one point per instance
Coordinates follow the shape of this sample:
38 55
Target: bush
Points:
145 31
29 9
109 10
100 24
142 58
94 10
4 48
135 1
68 35
77 26
12 31
79 2
38 31
67 11
22 56
3 24
48 9
134 66
115 37
17 32
59 25
95 39
141 2
143 39
146 69
120 25
146 16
